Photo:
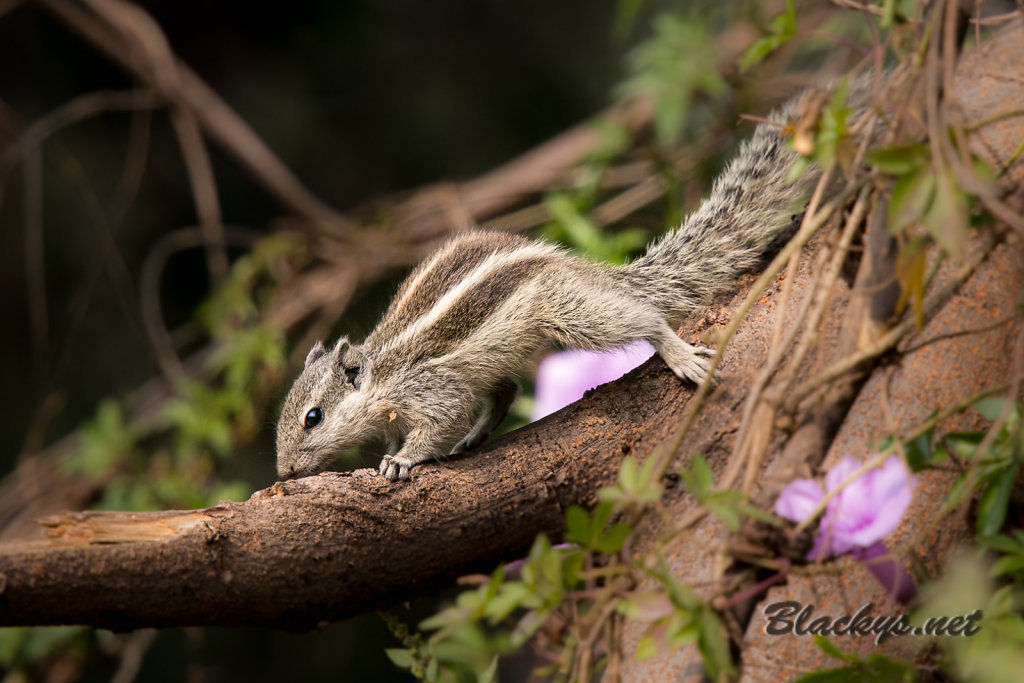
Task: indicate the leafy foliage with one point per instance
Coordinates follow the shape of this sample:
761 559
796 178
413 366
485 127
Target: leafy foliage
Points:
674 67
204 422
874 667
783 30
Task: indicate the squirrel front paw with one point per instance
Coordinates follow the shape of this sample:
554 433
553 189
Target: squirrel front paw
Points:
394 468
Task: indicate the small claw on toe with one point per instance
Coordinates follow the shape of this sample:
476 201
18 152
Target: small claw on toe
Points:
468 443
703 351
393 470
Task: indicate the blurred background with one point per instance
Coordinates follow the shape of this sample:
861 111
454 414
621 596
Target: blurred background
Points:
143 361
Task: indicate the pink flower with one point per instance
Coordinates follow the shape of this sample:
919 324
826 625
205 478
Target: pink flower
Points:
563 377
859 517
867 510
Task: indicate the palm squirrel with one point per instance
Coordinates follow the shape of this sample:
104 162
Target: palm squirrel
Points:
465 320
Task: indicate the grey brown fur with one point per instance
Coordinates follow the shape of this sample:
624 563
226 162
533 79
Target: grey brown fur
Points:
437 373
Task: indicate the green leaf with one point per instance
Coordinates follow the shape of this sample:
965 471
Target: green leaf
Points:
994 502
580 232
1004 543
888 13
669 116
912 195
637 484
830 648
1009 565
698 478
797 168
490 674
846 674
577 525
107 441
783 28
957 493
963 444
946 220
919 454
899 160
992 407
647 606
614 539
881 668
713 643
727 513
400 657
628 474
677 63
646 648
833 145
625 16
602 513
513 596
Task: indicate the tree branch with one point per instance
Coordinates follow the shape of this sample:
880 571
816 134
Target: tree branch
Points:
317 549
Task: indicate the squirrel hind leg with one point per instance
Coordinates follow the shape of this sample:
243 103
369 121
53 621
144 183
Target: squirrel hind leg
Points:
686 361
495 408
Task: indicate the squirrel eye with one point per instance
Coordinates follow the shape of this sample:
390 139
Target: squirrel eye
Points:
352 373
314 417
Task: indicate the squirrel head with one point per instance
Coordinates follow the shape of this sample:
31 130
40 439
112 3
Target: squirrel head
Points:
330 408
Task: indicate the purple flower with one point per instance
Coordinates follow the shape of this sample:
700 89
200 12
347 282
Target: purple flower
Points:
858 517
563 377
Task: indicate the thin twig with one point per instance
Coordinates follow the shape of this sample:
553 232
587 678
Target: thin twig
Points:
216 117
204 192
35 262
149 293
137 153
76 110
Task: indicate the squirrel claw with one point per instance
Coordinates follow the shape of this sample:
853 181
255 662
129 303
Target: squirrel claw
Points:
471 441
703 351
698 364
393 468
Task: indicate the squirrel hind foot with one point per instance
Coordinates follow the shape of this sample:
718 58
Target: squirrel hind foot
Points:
690 363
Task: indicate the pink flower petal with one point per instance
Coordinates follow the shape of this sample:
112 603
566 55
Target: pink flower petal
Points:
869 508
799 499
563 377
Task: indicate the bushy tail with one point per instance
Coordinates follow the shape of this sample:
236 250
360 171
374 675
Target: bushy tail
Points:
750 202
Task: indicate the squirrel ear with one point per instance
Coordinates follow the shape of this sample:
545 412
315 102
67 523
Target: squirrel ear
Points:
341 347
352 362
316 352
340 352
